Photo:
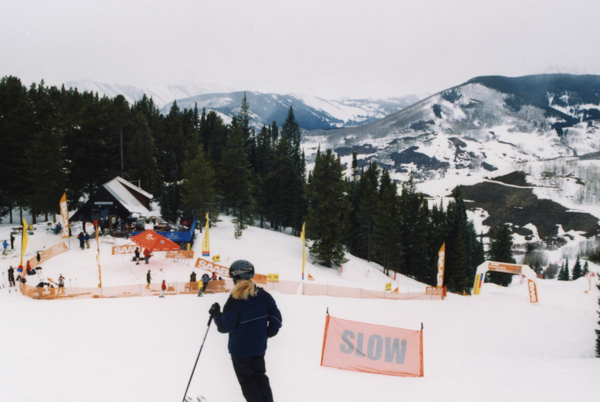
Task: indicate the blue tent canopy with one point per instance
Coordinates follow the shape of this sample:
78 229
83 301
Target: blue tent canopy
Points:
178 236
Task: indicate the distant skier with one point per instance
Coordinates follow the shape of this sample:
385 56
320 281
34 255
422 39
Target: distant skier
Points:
250 316
11 277
146 255
162 289
205 279
148 279
5 246
81 238
136 256
193 277
61 284
12 241
87 240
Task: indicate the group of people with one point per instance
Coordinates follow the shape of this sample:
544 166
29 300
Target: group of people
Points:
84 240
136 255
205 279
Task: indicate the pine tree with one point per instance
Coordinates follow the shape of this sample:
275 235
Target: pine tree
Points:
327 206
291 130
414 214
564 274
235 182
577 271
141 154
586 269
367 210
198 188
500 250
279 186
387 235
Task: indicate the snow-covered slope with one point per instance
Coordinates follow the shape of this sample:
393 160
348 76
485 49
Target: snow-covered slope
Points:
495 346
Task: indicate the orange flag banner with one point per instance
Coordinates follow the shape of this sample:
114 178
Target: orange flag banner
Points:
369 348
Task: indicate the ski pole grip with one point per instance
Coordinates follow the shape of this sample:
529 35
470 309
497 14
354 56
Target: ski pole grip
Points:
209 320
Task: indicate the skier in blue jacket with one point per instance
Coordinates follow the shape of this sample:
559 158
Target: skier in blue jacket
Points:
250 316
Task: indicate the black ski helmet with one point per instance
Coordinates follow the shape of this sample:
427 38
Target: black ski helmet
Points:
241 269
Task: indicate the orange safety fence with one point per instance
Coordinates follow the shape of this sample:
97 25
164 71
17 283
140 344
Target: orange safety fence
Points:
314 289
217 286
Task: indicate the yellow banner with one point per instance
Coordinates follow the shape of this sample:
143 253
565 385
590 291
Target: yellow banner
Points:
64 211
388 286
49 253
441 265
216 258
273 277
206 240
212 267
24 241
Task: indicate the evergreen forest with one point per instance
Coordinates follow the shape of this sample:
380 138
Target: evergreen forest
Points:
57 139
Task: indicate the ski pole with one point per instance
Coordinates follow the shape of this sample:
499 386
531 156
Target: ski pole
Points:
201 346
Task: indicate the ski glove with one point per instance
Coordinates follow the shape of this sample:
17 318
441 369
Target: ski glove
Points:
215 310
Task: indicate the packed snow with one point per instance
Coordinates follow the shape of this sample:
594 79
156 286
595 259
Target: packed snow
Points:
496 346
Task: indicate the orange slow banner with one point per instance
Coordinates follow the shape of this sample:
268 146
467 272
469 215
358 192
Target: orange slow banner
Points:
368 348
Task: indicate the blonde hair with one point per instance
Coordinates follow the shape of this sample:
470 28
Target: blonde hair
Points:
243 289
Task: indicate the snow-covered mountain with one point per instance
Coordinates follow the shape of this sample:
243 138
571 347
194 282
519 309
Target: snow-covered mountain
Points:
161 94
488 126
311 112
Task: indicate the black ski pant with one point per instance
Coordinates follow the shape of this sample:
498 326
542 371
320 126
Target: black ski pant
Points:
251 375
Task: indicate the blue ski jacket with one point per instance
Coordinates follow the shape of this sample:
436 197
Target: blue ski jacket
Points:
249 323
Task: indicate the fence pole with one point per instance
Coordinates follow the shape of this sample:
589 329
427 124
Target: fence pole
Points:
140 289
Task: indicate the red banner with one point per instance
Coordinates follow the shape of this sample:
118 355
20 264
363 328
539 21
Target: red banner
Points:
369 348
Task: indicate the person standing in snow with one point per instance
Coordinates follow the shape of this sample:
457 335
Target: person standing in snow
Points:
81 238
11 277
61 284
12 241
250 316
136 255
162 289
148 279
5 245
146 255
87 240
193 277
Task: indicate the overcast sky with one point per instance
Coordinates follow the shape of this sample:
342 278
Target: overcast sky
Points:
341 48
